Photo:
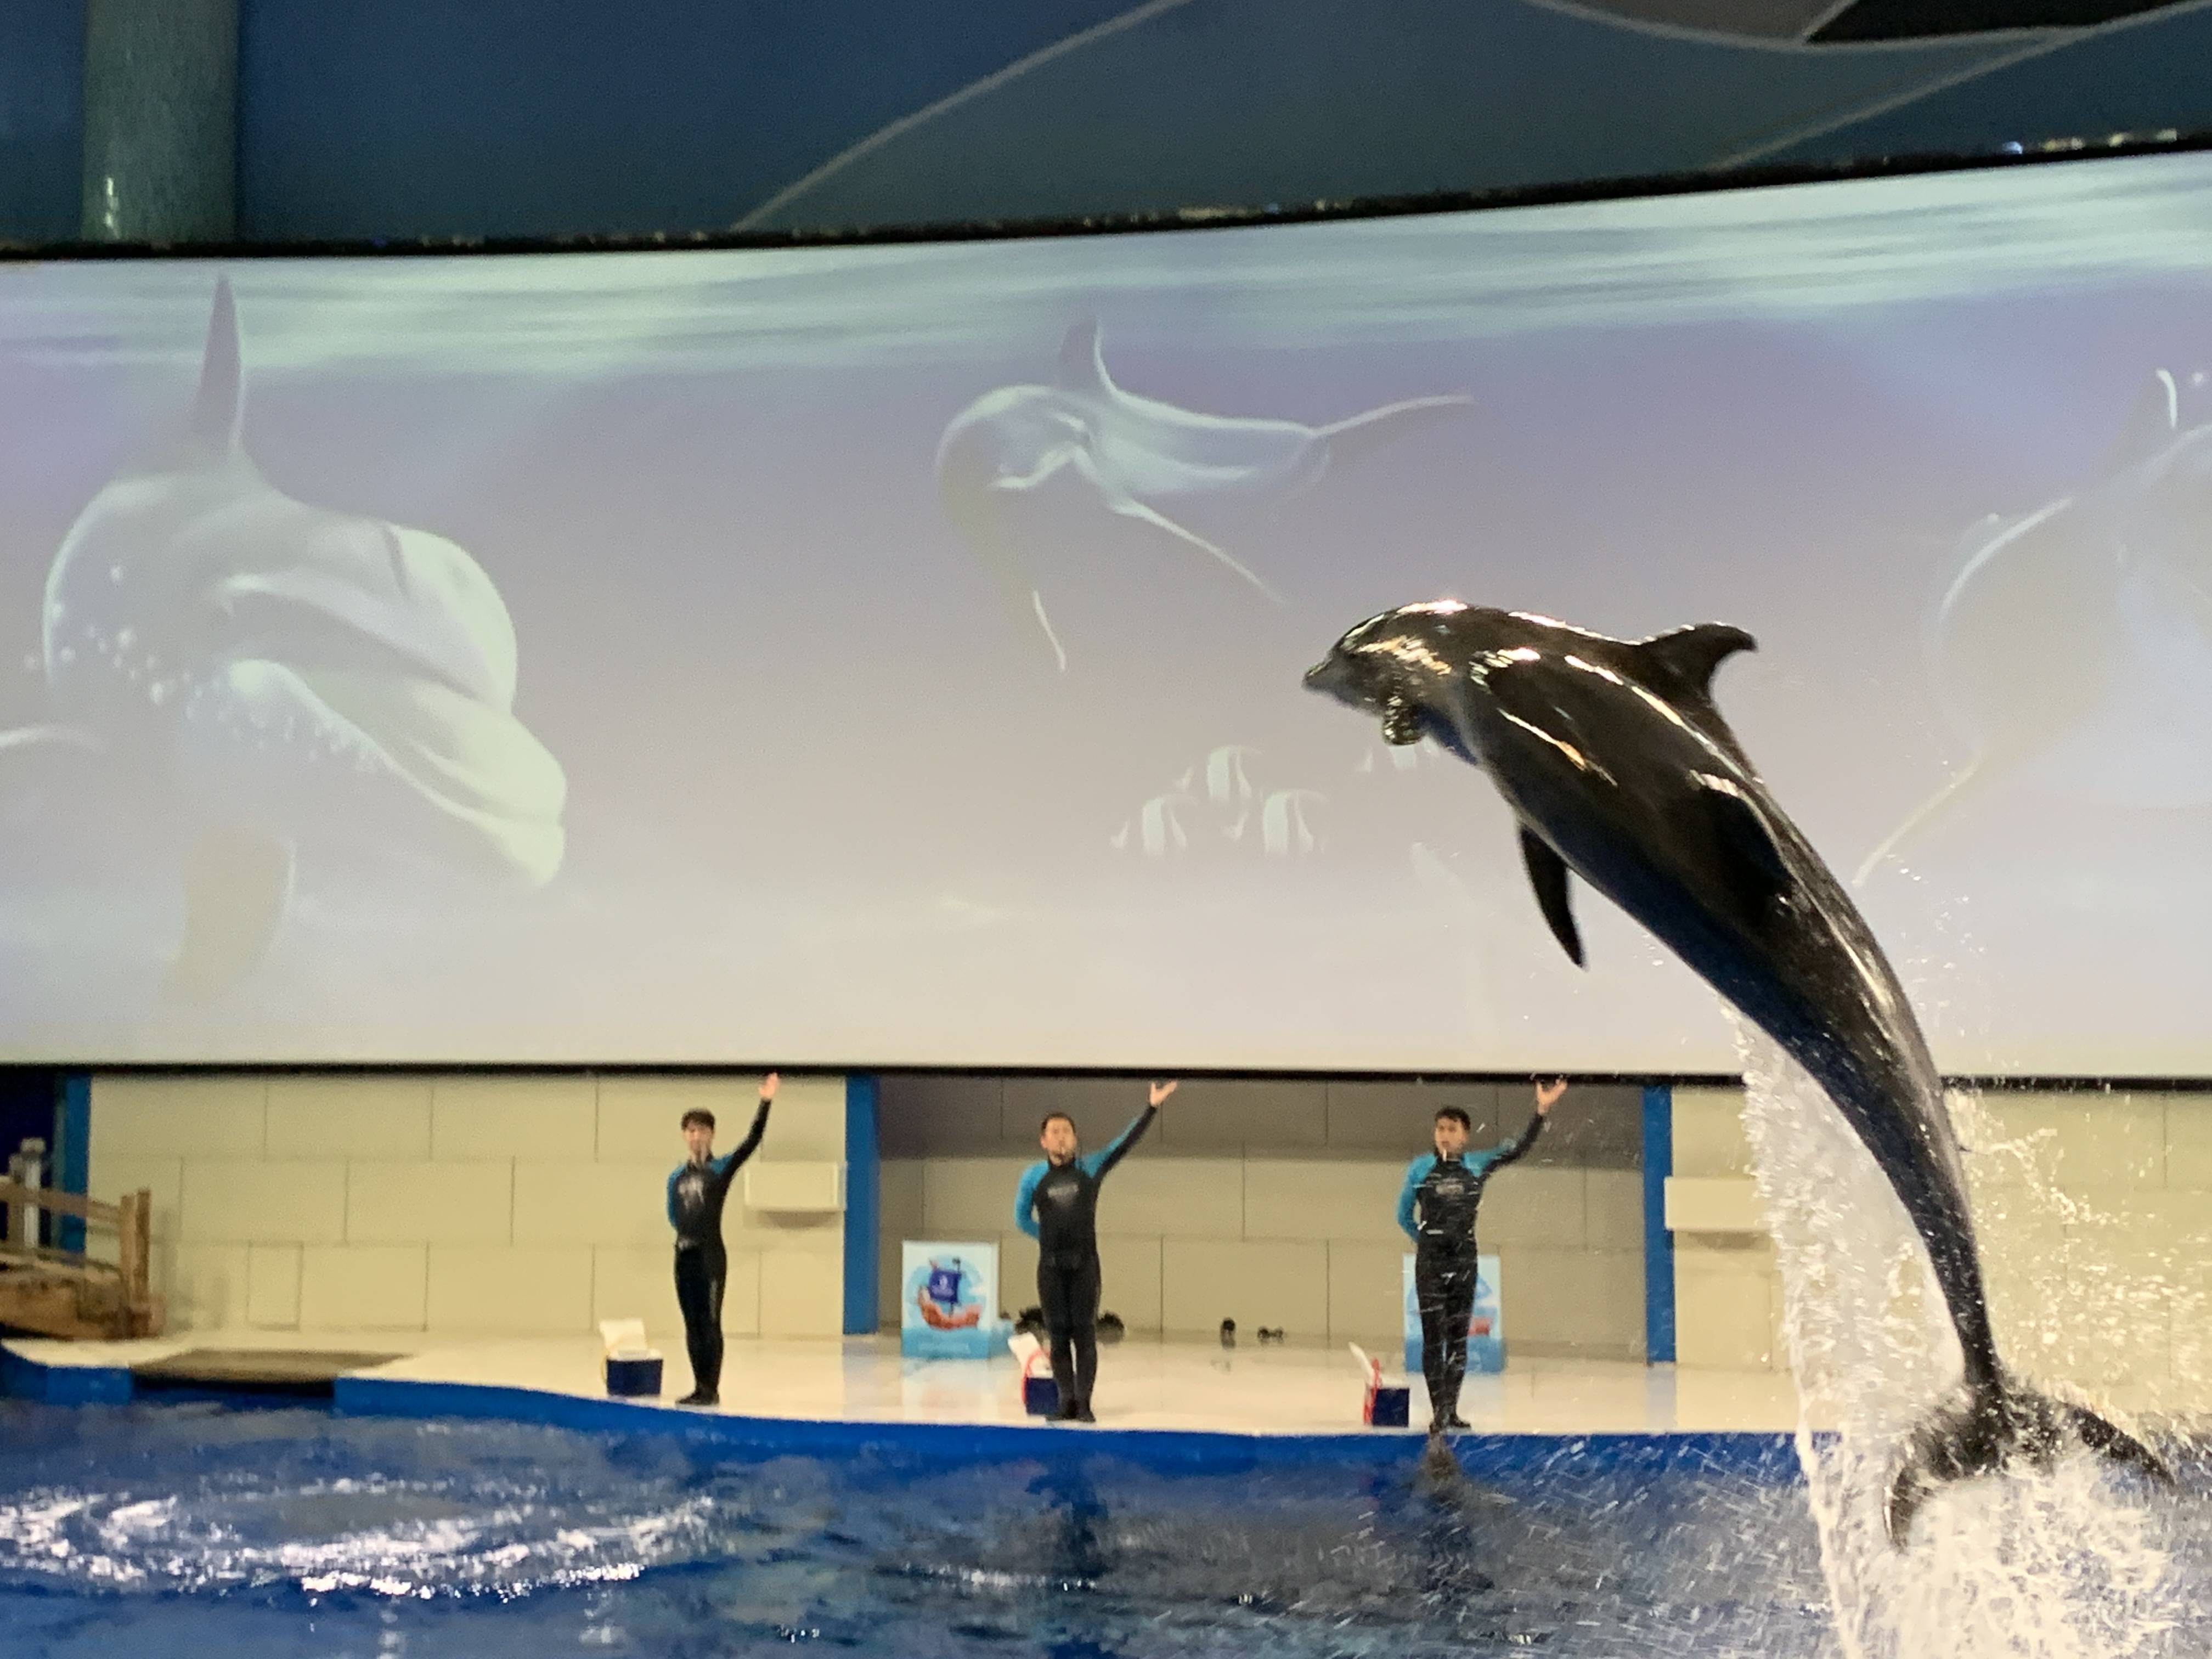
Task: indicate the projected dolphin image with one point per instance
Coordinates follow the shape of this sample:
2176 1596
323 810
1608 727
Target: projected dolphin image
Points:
277 680
1132 456
2115 583
1619 767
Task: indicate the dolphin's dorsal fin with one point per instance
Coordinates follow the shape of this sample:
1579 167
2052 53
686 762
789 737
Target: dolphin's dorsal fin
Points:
1688 656
1083 358
1679 664
220 408
1751 864
2151 423
1547 874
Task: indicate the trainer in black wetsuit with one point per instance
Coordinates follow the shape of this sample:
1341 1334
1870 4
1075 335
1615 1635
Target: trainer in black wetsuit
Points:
697 1188
1437 1209
1057 1205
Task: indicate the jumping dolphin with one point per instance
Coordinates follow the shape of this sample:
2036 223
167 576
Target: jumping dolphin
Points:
1135 456
1619 767
274 678
2114 582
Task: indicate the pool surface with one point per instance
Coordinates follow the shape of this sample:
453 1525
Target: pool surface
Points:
203 1529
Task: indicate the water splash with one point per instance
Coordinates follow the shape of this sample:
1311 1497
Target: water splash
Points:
2067 1565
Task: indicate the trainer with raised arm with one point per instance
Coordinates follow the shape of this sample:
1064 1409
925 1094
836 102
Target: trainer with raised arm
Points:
1436 1209
697 1189
1057 1205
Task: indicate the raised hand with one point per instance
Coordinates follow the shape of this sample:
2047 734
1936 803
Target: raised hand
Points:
1161 1091
768 1088
1548 1096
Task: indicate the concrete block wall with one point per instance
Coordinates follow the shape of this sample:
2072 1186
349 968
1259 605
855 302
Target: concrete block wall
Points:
2094 1211
469 1205
1273 1203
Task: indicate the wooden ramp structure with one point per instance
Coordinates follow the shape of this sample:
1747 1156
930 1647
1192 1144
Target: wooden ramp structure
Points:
67 1293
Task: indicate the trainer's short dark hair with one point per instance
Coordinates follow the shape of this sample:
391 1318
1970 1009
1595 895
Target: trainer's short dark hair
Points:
1454 1115
699 1115
1051 1118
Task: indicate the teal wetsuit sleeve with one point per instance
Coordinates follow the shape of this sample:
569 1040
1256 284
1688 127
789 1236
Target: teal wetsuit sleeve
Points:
1416 1173
674 1176
1099 1163
1025 1198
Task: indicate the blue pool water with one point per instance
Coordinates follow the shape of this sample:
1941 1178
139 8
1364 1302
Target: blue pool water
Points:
199 1530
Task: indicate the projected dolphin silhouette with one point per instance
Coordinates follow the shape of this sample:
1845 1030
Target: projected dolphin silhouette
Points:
1619 768
2114 582
274 679
1132 456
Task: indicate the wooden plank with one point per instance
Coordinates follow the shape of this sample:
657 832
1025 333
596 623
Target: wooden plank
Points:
46 1198
51 1307
17 1257
135 1213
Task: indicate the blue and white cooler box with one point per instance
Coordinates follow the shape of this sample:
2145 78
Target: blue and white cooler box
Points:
1485 1326
949 1309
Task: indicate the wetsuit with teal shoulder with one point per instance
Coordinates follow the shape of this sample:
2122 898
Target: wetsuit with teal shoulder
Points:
697 1195
1057 1205
1436 1210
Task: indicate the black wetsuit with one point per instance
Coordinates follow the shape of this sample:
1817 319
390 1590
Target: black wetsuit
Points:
697 1192
1446 1193
1057 1205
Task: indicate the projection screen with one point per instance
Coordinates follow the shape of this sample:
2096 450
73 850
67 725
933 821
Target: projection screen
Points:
890 655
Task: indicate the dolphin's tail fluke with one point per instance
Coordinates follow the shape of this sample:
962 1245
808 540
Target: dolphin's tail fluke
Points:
1350 441
1918 819
1979 1431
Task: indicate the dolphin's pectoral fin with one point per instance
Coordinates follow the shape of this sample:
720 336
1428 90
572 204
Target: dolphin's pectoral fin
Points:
1547 874
1130 508
1055 461
237 885
1750 863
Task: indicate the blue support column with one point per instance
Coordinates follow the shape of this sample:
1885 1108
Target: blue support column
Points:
1658 1243
72 1150
160 120
863 1205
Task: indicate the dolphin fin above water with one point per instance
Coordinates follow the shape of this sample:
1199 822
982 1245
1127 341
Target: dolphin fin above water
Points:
1604 751
1978 1430
1547 874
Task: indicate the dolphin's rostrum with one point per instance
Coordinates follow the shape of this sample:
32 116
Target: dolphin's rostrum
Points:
274 678
1619 767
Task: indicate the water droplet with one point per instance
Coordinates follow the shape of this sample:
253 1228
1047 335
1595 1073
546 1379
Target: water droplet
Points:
115 573
126 638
